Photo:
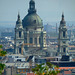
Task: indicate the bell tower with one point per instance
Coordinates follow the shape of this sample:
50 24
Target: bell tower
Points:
19 36
62 38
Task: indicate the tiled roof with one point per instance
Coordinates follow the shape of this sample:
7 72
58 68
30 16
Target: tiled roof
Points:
67 72
30 74
59 74
66 68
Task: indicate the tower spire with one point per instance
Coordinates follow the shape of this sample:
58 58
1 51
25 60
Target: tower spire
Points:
62 20
32 7
62 16
18 16
18 19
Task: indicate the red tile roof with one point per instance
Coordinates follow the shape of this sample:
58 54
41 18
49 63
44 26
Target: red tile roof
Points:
30 74
59 74
66 68
67 72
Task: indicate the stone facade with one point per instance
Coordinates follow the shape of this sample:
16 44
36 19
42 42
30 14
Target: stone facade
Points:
19 35
30 31
62 38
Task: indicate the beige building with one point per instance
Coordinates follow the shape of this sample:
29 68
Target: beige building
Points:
62 38
30 31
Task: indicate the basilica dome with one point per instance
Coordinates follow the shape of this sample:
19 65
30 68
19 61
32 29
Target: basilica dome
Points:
32 19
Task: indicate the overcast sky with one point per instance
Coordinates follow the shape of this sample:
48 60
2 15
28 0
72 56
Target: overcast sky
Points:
48 10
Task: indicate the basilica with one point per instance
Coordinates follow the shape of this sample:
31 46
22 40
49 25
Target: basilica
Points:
30 37
29 34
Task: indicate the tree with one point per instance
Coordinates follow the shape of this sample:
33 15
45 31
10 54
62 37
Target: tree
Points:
2 66
39 69
46 69
2 53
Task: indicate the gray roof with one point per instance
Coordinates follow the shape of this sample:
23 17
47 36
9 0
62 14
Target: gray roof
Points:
32 20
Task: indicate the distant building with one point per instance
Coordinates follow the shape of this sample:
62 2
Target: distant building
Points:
30 31
62 38
7 34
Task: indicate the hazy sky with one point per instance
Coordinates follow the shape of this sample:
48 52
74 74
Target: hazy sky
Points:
48 10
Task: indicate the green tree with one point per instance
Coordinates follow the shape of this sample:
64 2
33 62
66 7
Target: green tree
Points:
46 69
2 53
2 66
39 69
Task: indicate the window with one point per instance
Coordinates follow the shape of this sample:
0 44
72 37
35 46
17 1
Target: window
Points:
35 28
34 21
64 49
27 70
31 40
19 50
35 40
19 34
64 42
19 42
23 70
26 29
25 40
63 33
20 70
39 40
19 60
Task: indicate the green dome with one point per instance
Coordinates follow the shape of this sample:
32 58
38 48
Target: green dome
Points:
32 20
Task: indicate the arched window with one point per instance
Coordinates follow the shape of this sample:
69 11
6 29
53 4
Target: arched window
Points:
35 40
64 49
31 40
63 33
39 40
34 21
19 34
19 50
25 40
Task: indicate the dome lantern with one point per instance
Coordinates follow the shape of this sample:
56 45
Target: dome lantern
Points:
32 7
